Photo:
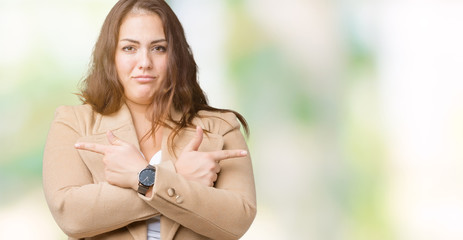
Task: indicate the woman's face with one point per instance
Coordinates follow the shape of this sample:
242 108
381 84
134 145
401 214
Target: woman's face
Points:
141 56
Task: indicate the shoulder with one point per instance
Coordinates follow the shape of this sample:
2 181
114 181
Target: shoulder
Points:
65 109
71 113
217 122
86 121
76 116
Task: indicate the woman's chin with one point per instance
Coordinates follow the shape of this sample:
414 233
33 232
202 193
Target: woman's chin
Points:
139 100
142 98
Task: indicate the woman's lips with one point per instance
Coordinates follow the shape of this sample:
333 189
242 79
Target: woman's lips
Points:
144 78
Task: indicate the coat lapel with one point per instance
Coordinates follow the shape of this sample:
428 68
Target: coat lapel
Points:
138 230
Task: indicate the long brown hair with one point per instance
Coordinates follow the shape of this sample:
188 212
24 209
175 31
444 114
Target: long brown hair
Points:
180 91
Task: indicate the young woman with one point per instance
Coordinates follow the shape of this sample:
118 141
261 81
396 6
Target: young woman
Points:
145 156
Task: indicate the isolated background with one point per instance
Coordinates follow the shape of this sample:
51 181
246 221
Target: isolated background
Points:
355 108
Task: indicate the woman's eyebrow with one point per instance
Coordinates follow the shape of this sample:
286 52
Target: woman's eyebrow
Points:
137 42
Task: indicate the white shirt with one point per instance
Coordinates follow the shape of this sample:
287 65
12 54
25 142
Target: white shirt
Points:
154 224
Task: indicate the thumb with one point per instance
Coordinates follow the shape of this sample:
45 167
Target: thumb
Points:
193 145
113 139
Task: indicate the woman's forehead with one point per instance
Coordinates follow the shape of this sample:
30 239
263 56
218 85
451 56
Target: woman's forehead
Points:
144 24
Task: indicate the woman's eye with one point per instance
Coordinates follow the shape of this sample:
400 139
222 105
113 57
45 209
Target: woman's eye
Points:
128 49
159 48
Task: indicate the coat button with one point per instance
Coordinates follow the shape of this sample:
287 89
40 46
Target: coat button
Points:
170 192
179 199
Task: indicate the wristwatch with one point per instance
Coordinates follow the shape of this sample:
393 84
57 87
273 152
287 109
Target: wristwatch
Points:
146 179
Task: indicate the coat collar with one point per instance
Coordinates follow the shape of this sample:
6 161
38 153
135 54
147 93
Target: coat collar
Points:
121 124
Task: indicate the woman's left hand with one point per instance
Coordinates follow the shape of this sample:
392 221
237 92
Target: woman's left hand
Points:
122 161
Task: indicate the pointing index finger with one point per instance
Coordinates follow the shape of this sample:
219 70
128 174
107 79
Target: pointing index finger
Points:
227 154
93 147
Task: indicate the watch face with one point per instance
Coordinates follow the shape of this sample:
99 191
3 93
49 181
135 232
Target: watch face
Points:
146 177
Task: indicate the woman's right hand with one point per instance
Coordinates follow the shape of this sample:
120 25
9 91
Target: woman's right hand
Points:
202 167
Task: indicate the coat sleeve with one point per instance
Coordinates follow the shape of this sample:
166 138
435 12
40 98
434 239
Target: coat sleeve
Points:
224 211
81 207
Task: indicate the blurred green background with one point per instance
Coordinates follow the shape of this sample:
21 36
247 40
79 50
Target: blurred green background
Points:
355 108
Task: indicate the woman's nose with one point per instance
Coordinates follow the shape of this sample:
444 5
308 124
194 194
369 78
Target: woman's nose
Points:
145 61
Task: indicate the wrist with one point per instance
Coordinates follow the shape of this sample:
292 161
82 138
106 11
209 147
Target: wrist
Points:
134 180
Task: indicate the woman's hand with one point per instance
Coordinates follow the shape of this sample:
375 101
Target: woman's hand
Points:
202 167
122 161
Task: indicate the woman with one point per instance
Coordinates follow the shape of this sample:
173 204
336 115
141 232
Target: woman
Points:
102 174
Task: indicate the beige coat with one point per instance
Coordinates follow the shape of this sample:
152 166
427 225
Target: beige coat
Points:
85 206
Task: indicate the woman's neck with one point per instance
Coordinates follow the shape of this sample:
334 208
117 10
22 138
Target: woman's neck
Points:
137 110
149 144
140 119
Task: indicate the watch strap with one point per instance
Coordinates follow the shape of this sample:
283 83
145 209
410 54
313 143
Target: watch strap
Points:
142 189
